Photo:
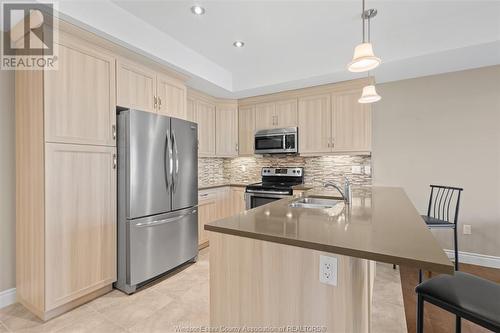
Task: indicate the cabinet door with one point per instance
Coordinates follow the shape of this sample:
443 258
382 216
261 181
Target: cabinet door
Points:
286 113
80 225
171 97
315 124
190 109
135 86
246 130
80 97
237 200
226 130
223 202
265 116
351 123
207 212
205 117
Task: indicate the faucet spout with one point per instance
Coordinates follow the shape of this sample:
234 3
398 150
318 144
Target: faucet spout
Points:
346 193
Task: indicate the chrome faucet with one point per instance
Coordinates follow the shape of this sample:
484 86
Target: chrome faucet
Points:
346 193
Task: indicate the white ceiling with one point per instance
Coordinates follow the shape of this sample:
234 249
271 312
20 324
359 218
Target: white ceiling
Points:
290 44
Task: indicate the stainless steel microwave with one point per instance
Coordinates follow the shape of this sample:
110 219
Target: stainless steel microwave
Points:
276 141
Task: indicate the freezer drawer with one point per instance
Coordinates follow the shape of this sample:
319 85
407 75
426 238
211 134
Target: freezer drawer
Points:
159 243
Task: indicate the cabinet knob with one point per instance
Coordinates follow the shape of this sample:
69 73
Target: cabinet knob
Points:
237 148
114 161
155 102
113 131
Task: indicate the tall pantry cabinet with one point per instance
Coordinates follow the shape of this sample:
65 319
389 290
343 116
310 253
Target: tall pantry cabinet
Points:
66 179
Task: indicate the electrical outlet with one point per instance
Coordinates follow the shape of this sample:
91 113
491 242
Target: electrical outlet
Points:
328 270
356 169
467 229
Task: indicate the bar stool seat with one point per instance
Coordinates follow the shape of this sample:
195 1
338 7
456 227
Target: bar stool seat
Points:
465 295
437 223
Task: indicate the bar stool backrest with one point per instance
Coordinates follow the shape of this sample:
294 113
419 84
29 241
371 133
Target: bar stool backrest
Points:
444 203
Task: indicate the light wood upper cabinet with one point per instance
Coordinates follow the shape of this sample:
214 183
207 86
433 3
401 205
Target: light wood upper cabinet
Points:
351 123
171 98
226 130
265 116
80 96
315 124
135 86
286 113
246 130
190 109
276 114
205 117
80 227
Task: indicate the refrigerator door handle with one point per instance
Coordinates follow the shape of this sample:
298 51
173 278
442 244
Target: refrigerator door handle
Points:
166 152
170 162
176 173
172 219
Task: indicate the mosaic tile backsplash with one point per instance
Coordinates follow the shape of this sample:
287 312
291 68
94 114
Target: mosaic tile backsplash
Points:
317 170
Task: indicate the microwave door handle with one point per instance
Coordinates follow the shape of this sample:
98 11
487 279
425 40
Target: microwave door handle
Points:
284 141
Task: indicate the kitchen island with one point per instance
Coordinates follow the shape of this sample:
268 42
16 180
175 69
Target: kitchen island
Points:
265 262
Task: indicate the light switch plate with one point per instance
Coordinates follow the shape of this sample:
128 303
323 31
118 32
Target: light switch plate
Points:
328 270
467 229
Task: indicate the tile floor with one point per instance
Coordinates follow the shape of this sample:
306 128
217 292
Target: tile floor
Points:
181 299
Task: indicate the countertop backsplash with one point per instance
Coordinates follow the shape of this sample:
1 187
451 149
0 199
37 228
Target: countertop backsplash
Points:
317 170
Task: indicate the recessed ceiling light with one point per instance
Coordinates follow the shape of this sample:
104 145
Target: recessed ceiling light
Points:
197 10
238 43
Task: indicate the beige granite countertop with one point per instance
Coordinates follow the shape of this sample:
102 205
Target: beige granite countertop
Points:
380 224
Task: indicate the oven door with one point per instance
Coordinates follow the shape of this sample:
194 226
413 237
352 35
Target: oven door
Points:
256 199
270 143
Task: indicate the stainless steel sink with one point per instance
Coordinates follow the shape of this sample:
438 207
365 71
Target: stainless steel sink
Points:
318 203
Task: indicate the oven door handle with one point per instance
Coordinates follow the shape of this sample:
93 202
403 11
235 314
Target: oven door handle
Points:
268 192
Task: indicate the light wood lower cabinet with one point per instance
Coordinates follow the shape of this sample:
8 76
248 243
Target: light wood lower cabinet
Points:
237 200
215 204
80 221
207 212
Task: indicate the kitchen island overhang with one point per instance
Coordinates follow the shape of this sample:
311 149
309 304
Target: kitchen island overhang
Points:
264 263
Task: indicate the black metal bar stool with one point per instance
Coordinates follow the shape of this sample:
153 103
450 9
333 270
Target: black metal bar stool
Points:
442 213
465 295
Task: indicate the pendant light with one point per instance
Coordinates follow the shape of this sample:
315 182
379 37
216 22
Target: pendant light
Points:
364 59
369 95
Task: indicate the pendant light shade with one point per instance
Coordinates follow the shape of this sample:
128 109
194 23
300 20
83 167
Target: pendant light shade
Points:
369 95
364 59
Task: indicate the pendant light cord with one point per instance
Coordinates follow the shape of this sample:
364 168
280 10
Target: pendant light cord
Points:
363 18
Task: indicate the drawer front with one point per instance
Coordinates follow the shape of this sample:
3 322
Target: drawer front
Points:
158 244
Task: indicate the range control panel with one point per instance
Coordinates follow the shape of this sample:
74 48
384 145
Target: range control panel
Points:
284 172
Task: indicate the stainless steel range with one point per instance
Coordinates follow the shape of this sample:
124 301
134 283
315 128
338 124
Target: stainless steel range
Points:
277 183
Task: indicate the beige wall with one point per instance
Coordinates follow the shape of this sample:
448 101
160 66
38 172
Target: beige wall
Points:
7 181
444 129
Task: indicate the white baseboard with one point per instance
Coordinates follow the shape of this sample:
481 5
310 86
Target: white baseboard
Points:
7 297
475 258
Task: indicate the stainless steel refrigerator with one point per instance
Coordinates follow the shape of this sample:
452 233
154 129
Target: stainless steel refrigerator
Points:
157 196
